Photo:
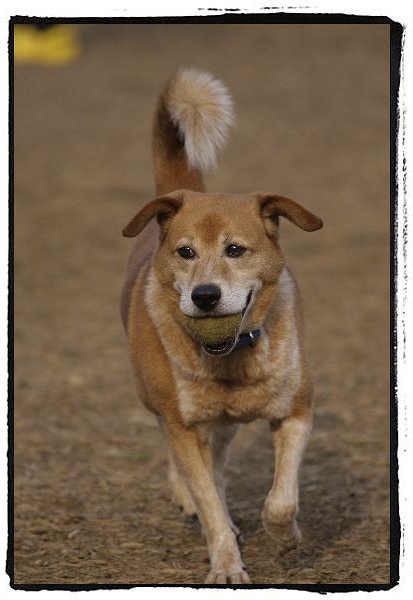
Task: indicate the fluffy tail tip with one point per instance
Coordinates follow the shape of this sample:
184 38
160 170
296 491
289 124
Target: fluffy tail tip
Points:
202 109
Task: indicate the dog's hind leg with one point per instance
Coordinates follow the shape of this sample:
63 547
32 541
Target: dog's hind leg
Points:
221 439
194 458
181 495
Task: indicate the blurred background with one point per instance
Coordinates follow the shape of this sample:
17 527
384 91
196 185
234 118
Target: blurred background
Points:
312 123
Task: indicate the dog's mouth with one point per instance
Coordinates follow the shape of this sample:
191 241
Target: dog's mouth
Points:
217 334
221 348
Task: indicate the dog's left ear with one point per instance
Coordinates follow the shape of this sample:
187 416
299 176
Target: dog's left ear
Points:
273 206
164 208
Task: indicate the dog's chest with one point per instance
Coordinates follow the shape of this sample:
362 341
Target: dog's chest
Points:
264 390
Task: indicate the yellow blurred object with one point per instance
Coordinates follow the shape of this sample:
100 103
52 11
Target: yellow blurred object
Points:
213 330
53 46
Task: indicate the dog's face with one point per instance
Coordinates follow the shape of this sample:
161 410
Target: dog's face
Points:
217 255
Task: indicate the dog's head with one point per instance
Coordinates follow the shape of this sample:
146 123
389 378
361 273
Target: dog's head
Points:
219 258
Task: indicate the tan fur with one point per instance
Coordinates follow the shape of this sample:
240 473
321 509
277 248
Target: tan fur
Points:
198 398
201 108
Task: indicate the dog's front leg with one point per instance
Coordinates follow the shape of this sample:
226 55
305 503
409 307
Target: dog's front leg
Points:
194 460
281 505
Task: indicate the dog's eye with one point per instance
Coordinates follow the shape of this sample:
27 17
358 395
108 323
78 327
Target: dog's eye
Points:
186 252
234 251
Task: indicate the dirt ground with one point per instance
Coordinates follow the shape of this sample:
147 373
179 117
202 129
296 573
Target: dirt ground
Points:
91 497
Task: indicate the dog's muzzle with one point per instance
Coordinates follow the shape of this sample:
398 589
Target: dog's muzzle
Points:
217 334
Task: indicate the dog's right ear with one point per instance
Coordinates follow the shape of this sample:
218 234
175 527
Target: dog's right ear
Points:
164 208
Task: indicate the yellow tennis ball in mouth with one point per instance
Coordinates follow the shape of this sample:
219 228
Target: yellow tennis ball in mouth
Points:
213 330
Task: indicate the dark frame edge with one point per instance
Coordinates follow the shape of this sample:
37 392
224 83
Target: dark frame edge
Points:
226 17
10 321
396 37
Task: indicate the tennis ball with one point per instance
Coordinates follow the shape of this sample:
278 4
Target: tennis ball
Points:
213 330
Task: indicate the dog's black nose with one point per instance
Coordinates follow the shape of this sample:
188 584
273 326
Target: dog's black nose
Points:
206 296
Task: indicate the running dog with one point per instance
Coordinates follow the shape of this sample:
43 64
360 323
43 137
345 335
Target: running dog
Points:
213 320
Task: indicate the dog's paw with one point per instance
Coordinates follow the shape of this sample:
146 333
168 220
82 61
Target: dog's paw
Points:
287 535
226 576
280 523
288 538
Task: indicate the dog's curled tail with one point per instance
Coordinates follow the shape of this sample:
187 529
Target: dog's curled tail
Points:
192 119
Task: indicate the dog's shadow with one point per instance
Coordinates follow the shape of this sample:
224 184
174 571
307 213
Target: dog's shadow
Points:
330 494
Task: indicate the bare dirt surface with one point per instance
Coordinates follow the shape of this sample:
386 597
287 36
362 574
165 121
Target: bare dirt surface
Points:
91 497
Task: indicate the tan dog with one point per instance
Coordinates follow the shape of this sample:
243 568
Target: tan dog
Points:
213 261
